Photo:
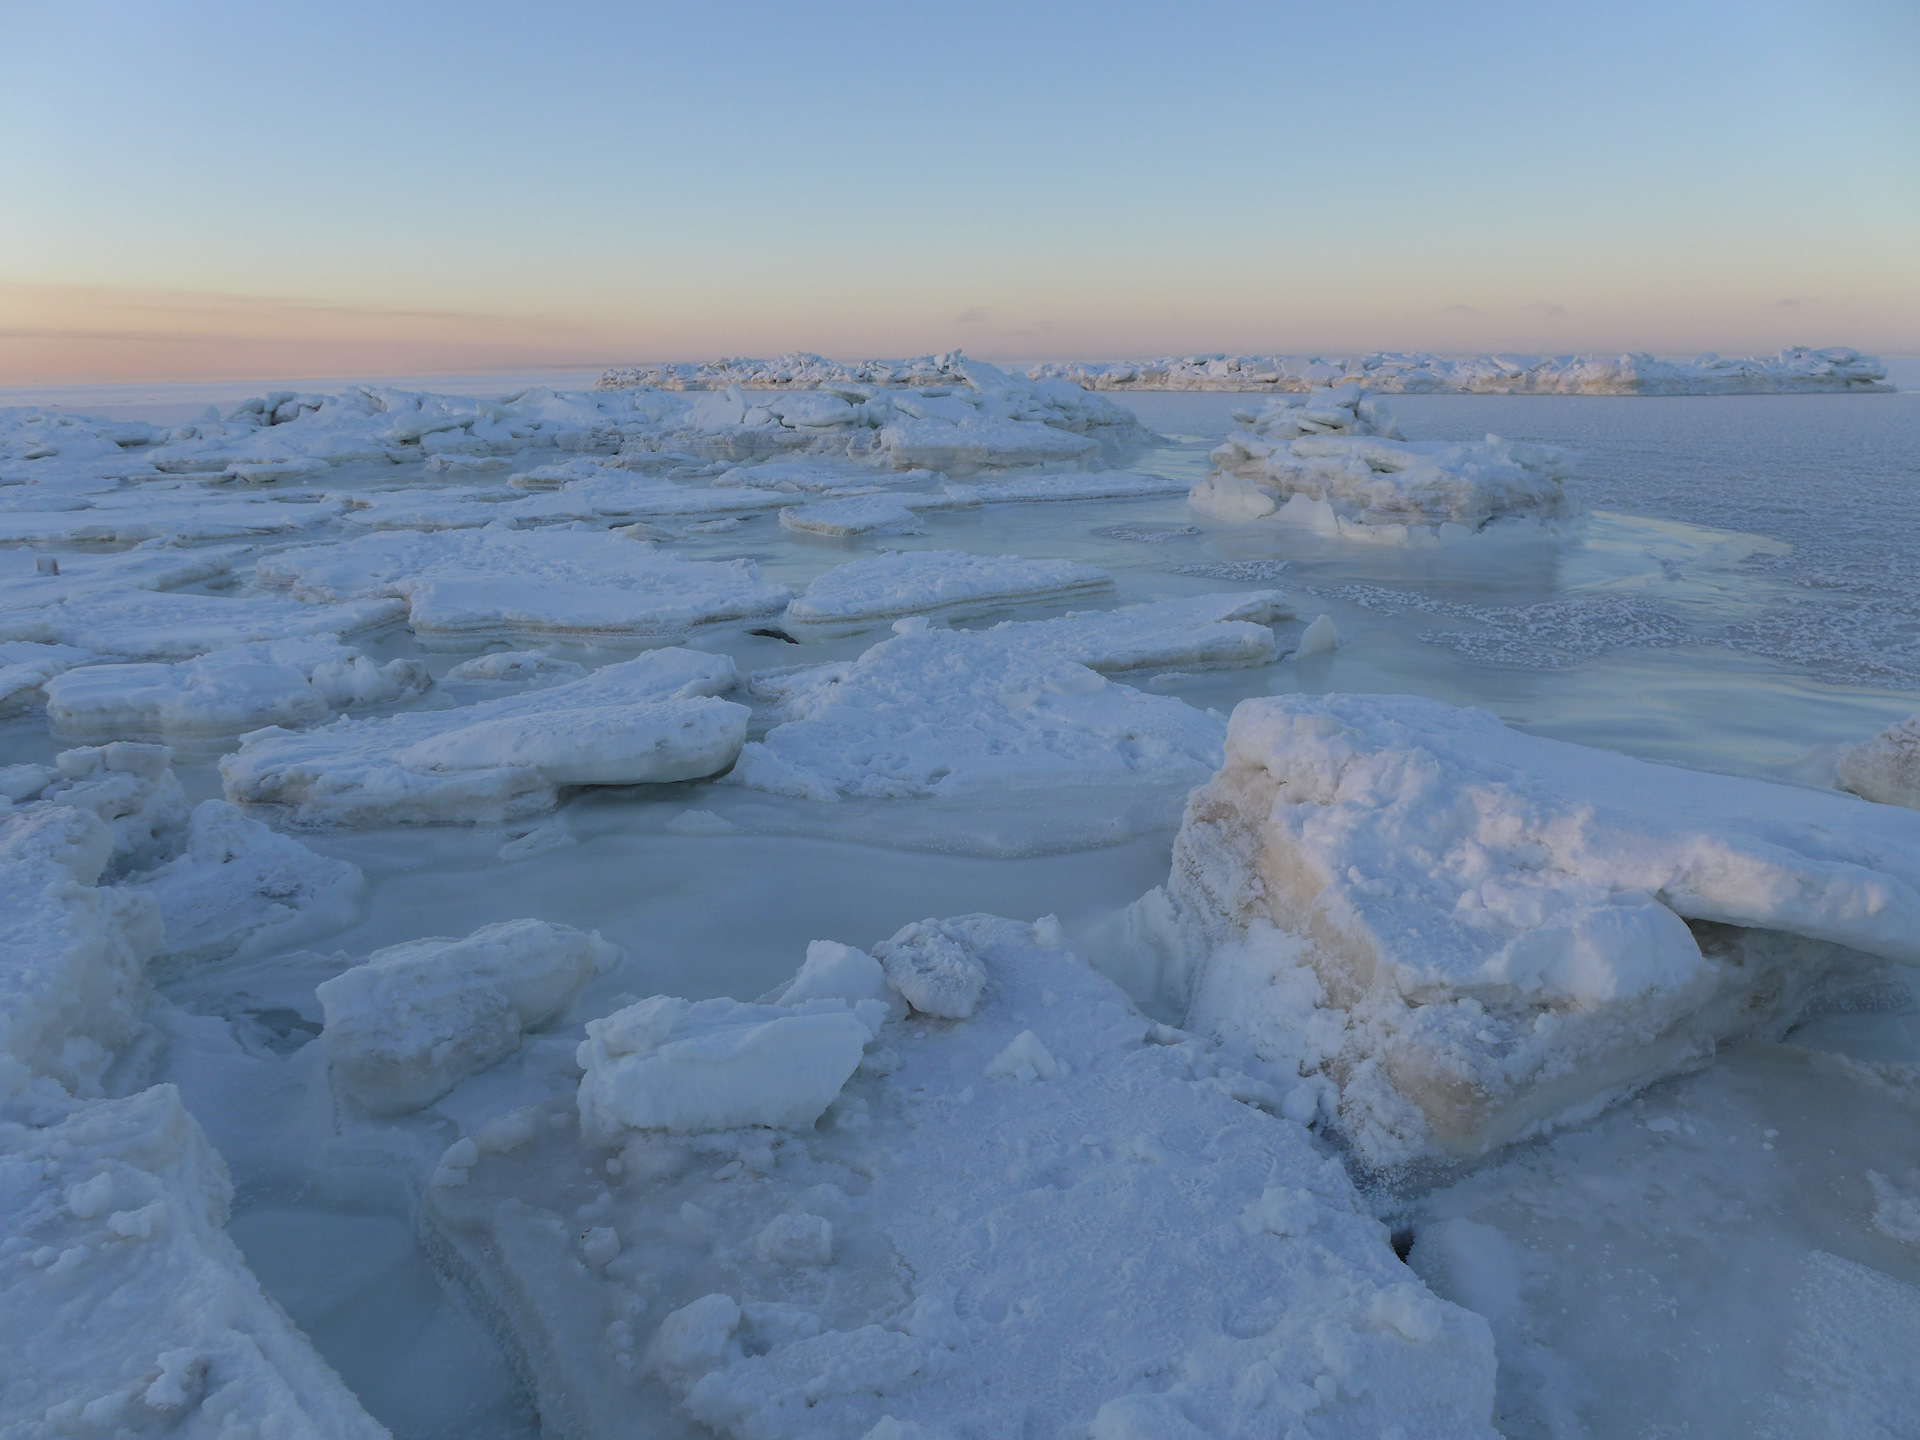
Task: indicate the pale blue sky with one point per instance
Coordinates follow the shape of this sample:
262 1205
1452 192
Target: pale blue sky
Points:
202 187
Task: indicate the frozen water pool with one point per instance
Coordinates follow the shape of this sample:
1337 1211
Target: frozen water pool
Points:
1745 597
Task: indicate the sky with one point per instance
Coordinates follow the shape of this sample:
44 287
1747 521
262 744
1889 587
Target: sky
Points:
205 189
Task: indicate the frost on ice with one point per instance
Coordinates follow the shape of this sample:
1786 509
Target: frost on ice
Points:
942 584
1886 767
644 721
1332 460
937 1253
124 1307
415 1020
1023 705
1475 932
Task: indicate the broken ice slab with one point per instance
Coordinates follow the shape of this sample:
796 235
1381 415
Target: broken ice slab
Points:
1476 932
643 721
1886 767
173 625
943 584
852 515
949 1245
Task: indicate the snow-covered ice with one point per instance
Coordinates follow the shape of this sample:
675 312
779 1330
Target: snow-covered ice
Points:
1476 932
642 721
125 1308
1885 767
414 1020
178 625
463 588
852 515
939 584
1121 1248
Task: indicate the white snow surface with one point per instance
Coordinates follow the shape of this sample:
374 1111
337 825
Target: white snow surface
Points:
1885 767
641 721
1475 931
952 1251
1021 707
414 1020
464 588
939 584
125 1309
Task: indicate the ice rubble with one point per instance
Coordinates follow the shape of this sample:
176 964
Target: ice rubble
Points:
125 1309
942 584
1795 370
946 1250
225 692
1333 460
1886 767
1476 932
463 588
414 1020
1020 707
642 721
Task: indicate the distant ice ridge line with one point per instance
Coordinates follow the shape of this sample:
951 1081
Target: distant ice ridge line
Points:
1795 370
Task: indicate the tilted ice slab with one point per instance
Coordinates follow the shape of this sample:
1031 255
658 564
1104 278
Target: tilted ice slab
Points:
225 692
1475 931
125 1308
463 588
936 583
974 1239
1886 767
641 721
852 515
1334 461
1796 370
1020 707
414 1020
177 625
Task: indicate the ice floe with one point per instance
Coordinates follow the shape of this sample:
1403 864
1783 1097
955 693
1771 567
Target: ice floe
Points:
125 1308
642 721
939 584
464 588
178 625
1021 707
1885 767
414 1020
1475 932
853 515
944 1251
1332 460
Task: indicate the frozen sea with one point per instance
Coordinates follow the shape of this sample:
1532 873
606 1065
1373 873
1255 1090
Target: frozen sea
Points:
1745 596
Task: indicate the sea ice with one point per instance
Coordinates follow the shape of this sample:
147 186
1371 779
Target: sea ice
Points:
226 692
1475 932
415 1020
640 721
1887 767
942 1253
943 584
27 665
465 587
1020 707
125 1309
173 625
852 515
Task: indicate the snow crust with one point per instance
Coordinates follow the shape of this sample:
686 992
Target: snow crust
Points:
642 721
1794 370
414 1020
225 692
942 584
1886 767
945 1250
1334 461
1020 707
125 1309
1474 932
464 588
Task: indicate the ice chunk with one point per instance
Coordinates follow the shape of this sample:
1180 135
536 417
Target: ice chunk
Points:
270 682
1020 706
516 667
935 583
687 1066
1887 767
975 1238
416 1019
933 970
854 515
1475 931
837 972
240 889
641 721
133 1313
26 666
132 789
465 587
